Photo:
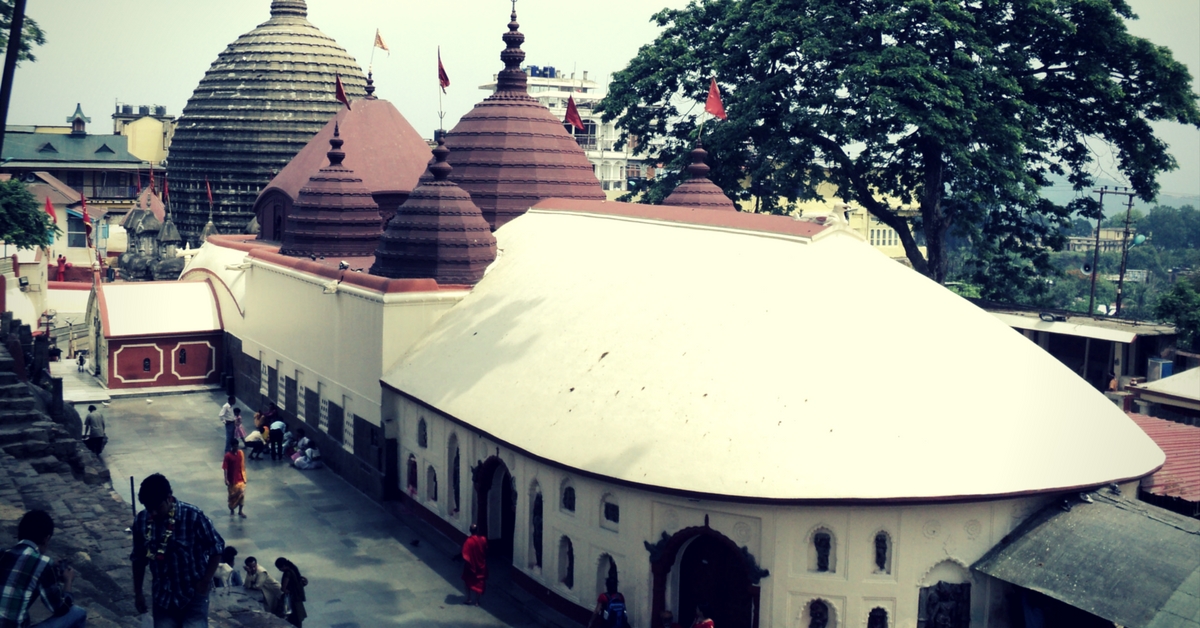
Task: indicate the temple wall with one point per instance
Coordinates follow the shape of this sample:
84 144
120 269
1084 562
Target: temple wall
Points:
927 542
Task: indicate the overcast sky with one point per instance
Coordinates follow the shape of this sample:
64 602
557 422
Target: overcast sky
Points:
155 52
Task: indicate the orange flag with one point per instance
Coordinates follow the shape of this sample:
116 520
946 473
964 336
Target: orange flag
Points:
573 114
50 210
714 105
443 78
340 92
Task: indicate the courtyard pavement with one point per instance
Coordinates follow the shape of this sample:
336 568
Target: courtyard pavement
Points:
365 567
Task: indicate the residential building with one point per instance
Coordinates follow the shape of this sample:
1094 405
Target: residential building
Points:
149 130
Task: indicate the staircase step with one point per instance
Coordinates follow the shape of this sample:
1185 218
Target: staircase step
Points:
12 435
49 464
14 389
17 417
11 403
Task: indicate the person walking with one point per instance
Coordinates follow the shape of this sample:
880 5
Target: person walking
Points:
27 574
474 554
610 607
93 430
259 579
228 418
293 585
234 466
182 549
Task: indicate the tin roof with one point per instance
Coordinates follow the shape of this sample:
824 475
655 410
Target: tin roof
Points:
1180 474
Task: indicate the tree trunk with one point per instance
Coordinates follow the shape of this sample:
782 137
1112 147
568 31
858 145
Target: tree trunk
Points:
933 219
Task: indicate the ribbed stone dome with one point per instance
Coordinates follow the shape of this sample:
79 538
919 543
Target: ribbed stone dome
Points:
259 103
510 152
699 191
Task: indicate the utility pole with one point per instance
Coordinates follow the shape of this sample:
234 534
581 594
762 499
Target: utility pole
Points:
10 63
1124 254
1096 252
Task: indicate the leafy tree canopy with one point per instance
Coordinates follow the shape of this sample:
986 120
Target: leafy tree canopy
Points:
1181 307
31 34
962 109
23 222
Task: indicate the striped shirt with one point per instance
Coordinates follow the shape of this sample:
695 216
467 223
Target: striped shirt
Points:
193 544
28 573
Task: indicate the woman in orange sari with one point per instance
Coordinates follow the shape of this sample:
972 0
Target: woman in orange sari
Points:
234 467
474 554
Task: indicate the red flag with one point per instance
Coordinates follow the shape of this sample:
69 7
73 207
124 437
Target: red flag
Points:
714 105
139 181
208 188
83 199
573 114
443 78
166 189
340 93
152 178
50 210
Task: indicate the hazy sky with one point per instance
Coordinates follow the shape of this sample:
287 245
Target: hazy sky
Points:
155 52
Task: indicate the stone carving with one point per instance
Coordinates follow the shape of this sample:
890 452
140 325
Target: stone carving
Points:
973 528
881 551
656 550
756 573
741 532
948 605
932 528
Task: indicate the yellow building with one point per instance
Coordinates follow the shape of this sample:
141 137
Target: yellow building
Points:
149 130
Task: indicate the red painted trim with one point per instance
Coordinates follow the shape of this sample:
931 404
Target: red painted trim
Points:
238 242
789 501
328 271
212 275
16 264
690 215
216 304
206 333
68 285
102 305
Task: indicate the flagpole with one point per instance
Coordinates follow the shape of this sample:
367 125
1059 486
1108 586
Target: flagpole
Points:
441 90
371 61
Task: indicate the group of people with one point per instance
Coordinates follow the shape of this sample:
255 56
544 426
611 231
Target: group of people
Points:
270 434
186 557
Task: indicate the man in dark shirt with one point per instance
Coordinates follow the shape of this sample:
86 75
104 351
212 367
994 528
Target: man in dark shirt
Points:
27 574
181 547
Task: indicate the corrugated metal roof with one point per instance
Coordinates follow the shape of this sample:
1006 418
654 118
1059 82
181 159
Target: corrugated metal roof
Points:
1180 474
1117 558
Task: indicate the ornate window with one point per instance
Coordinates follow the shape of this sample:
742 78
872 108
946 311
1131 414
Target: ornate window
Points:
566 563
883 553
431 484
606 570
455 474
822 551
818 615
877 618
568 497
535 526
422 434
183 356
944 605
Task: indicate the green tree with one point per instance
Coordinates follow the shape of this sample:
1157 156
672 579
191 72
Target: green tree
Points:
31 34
962 109
1173 228
1181 306
23 223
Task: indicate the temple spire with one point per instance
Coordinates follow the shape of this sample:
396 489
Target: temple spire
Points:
512 77
294 8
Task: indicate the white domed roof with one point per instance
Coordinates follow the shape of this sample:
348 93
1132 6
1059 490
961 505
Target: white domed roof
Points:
714 360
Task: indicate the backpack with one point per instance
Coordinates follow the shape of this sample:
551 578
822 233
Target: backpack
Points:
614 612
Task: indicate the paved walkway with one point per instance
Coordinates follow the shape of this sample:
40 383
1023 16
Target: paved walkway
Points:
365 567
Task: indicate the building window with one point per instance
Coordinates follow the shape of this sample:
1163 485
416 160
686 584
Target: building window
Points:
822 554
610 512
183 356
883 553
146 365
455 477
606 573
566 563
76 232
944 605
412 475
431 484
535 526
568 498
877 618
422 434
818 615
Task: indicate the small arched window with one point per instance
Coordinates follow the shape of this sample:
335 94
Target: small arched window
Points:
455 474
431 484
610 512
883 553
535 526
183 356
146 365
818 614
566 563
568 498
877 618
422 434
412 475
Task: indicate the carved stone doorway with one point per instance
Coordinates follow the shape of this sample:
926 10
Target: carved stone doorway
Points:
495 510
712 571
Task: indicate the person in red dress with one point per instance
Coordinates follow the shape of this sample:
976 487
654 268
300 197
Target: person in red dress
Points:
61 275
474 554
702 618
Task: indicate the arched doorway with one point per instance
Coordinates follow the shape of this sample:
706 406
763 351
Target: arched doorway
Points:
712 571
495 511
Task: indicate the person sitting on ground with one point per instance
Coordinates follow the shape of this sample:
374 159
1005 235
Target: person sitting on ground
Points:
93 430
227 575
259 579
303 442
308 460
28 574
610 607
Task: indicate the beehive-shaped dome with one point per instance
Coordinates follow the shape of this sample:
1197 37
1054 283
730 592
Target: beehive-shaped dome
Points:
510 152
256 107
334 214
437 233
699 191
